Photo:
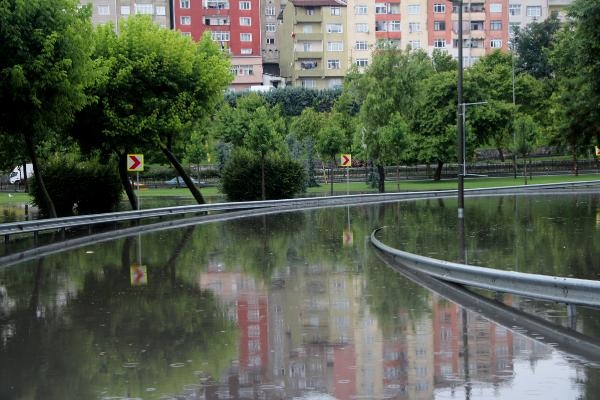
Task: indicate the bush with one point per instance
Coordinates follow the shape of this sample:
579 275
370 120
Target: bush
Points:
241 177
83 187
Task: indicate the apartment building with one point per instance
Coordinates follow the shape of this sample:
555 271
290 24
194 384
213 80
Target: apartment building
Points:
235 25
113 11
313 43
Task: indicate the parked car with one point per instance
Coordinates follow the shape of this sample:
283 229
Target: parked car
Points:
180 182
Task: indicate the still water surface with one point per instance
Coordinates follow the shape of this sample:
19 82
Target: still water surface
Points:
299 305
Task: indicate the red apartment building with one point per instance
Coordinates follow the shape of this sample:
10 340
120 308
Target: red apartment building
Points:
235 24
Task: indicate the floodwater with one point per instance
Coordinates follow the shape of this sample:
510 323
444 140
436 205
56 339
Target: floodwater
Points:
298 305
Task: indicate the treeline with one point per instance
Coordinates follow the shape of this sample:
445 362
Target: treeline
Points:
74 92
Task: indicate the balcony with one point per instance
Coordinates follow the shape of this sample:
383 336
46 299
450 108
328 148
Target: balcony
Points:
309 54
301 36
310 73
316 17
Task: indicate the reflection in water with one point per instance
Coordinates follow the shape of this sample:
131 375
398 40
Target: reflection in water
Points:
285 306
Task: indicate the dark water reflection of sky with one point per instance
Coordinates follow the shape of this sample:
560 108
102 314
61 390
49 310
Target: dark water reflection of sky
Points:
299 305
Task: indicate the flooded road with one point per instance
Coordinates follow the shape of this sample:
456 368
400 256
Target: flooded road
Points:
299 305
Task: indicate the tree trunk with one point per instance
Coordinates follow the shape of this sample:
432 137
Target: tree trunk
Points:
500 154
36 172
126 182
575 166
381 174
331 173
179 168
263 187
437 175
525 168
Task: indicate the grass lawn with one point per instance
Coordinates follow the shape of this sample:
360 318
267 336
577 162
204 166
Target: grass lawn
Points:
357 187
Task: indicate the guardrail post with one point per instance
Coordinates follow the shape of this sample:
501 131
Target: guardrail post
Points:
6 238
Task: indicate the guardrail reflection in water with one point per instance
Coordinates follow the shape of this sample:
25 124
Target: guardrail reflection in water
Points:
564 339
559 289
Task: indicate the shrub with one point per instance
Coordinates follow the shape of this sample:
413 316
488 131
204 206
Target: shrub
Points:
75 186
241 177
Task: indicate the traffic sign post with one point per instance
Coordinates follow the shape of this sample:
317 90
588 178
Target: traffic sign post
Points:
135 162
346 161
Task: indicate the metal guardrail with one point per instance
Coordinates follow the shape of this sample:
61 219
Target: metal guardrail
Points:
559 289
36 226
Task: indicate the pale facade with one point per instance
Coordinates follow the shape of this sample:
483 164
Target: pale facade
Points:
313 44
361 33
113 11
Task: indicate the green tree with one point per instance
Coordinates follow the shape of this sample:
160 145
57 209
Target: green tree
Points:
160 86
333 138
388 89
44 70
432 137
533 44
305 128
525 132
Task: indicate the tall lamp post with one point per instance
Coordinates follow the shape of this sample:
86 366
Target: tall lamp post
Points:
460 115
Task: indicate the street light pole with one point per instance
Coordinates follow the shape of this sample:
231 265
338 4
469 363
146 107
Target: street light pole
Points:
460 116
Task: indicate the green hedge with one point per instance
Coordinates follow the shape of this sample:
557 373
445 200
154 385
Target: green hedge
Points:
79 187
241 177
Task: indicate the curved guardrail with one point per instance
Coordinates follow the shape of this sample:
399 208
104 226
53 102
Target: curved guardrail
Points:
560 289
36 226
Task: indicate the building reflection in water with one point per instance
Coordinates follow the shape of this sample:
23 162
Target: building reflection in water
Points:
312 331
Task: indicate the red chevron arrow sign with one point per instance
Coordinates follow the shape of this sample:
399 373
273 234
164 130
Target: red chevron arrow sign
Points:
135 162
346 160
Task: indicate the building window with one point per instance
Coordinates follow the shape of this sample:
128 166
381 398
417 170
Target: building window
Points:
309 64
439 8
270 40
439 43
395 26
439 25
245 37
414 9
125 10
245 5
309 11
414 27
514 9
335 46
246 51
495 43
161 10
496 7
220 36
333 64
361 10
218 4
184 3
188 34
361 45
362 62
307 46
215 21
495 25
245 21
185 20
414 44
309 83
380 8
270 11
334 28
362 27
270 28
534 11
103 10
145 9
335 82
336 11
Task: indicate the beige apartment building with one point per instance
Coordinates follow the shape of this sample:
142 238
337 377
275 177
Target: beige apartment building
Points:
313 43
